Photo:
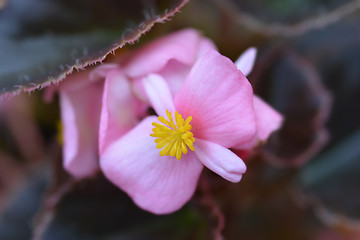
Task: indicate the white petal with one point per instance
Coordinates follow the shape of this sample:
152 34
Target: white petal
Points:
245 62
159 94
220 160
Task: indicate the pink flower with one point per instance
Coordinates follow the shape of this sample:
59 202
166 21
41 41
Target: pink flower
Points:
120 109
216 106
171 57
80 104
209 108
268 119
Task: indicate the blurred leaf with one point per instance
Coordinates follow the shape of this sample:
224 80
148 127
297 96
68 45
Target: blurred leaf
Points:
16 222
290 11
294 88
261 206
20 121
96 209
43 40
287 18
11 174
338 63
332 179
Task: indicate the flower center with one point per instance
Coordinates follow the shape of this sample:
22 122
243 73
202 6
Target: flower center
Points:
174 139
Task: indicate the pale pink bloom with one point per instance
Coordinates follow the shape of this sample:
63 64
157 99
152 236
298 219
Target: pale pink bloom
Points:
81 97
268 119
120 109
171 57
80 104
219 99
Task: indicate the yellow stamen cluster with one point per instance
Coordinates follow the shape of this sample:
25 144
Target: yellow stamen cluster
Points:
173 138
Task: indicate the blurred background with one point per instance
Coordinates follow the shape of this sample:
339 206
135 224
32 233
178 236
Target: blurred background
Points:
302 184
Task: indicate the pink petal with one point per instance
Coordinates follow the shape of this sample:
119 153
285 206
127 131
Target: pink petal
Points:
159 94
174 74
170 57
80 113
76 81
206 45
219 99
119 109
157 184
220 160
267 118
101 71
245 62
49 93
79 79
181 46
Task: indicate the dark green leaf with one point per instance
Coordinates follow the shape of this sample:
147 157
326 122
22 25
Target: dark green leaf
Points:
16 222
95 209
290 11
294 88
332 179
288 18
43 40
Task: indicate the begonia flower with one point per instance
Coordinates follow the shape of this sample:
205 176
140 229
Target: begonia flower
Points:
211 112
268 119
80 104
81 101
171 57
120 109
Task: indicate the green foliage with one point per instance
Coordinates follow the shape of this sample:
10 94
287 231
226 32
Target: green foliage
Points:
42 41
